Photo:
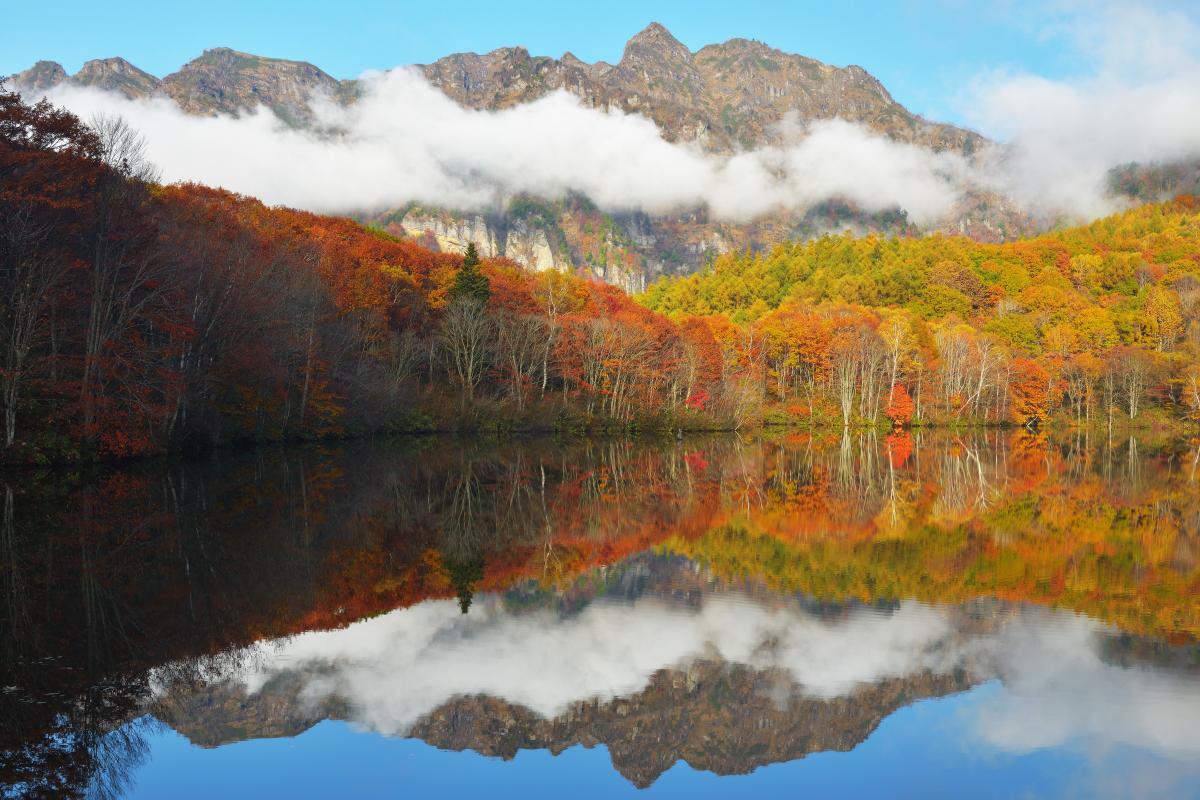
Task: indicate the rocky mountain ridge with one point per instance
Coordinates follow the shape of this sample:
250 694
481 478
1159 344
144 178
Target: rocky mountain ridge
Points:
725 718
724 97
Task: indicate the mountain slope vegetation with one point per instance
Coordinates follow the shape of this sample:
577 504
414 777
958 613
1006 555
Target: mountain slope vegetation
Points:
1095 318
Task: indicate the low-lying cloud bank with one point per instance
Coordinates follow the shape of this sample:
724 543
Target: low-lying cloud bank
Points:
405 141
1138 100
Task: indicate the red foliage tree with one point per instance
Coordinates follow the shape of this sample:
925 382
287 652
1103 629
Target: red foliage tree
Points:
900 407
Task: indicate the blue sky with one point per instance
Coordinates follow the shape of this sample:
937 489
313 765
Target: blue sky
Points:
925 51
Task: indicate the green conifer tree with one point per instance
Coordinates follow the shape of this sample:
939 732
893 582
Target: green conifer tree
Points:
470 283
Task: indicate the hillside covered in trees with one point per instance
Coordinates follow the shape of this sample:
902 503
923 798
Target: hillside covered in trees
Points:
137 318
1090 323
141 318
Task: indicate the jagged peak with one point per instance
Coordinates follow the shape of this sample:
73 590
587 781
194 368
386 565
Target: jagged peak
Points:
860 74
744 43
44 65
657 39
227 55
42 75
516 52
220 52
115 63
220 56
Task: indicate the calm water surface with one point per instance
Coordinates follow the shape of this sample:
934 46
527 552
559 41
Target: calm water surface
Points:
940 616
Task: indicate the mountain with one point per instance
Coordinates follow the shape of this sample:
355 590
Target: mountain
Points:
724 97
116 75
226 81
725 718
220 81
41 76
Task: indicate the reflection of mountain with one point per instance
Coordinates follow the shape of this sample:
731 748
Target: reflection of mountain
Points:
728 719
696 699
660 664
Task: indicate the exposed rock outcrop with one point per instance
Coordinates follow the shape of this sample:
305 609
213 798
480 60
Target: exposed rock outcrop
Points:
116 75
226 81
41 76
725 96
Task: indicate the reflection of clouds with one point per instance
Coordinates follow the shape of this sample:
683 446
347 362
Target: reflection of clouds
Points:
1058 691
397 667
394 669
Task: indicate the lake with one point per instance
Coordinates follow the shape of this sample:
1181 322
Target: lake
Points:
927 615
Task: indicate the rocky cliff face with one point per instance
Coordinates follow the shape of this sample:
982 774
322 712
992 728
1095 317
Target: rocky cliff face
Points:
226 81
220 81
41 76
116 75
724 96
627 249
567 235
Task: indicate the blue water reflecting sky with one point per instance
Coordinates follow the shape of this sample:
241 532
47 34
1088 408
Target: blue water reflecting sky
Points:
926 750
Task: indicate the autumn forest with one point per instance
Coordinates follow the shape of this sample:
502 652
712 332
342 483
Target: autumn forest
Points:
141 318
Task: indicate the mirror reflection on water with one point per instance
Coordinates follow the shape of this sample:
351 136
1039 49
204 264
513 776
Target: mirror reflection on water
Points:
929 615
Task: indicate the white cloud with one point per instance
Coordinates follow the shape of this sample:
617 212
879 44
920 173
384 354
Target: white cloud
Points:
1058 691
1139 101
406 141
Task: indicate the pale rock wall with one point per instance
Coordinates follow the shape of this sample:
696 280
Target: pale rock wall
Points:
453 233
531 248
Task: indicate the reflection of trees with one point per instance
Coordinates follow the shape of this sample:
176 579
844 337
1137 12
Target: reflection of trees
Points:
465 574
1112 532
107 574
15 591
81 747
463 532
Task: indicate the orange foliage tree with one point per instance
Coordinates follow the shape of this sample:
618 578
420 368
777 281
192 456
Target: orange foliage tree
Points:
1029 392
